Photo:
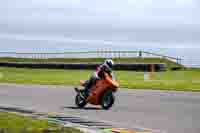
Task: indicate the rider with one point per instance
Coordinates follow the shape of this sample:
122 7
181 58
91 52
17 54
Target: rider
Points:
98 75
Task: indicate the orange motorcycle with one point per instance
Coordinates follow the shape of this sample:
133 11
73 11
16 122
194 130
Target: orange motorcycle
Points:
102 93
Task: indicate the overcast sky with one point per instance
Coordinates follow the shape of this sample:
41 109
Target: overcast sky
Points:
109 22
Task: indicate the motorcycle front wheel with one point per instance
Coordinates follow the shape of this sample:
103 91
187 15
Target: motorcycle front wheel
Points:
108 100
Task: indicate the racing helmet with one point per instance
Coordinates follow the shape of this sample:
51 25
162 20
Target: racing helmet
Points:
109 64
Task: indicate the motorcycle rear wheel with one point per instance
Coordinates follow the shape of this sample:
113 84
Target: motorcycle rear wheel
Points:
80 102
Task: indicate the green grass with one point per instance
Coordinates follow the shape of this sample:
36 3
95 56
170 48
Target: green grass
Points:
170 64
187 80
13 123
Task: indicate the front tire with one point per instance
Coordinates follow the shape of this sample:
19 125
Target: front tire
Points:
80 102
108 100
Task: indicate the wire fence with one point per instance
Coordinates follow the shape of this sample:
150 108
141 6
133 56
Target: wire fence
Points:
89 54
193 62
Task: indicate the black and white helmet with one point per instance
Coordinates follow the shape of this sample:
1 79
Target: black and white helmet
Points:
109 64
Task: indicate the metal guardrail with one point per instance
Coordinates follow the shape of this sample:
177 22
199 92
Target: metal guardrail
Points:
90 54
118 66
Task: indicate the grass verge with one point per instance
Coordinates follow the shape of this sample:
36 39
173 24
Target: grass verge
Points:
13 123
187 80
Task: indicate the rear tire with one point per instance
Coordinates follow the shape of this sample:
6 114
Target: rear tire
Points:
108 100
80 102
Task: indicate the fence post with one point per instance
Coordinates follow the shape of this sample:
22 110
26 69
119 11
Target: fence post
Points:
140 54
178 60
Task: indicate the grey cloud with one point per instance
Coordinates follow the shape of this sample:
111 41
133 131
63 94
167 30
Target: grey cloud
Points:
113 20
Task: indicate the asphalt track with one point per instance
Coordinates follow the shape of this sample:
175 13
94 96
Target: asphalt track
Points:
173 112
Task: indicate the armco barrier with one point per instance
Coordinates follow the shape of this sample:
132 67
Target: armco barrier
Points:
134 67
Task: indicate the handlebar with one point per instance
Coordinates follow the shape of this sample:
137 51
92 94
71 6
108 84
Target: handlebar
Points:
111 81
